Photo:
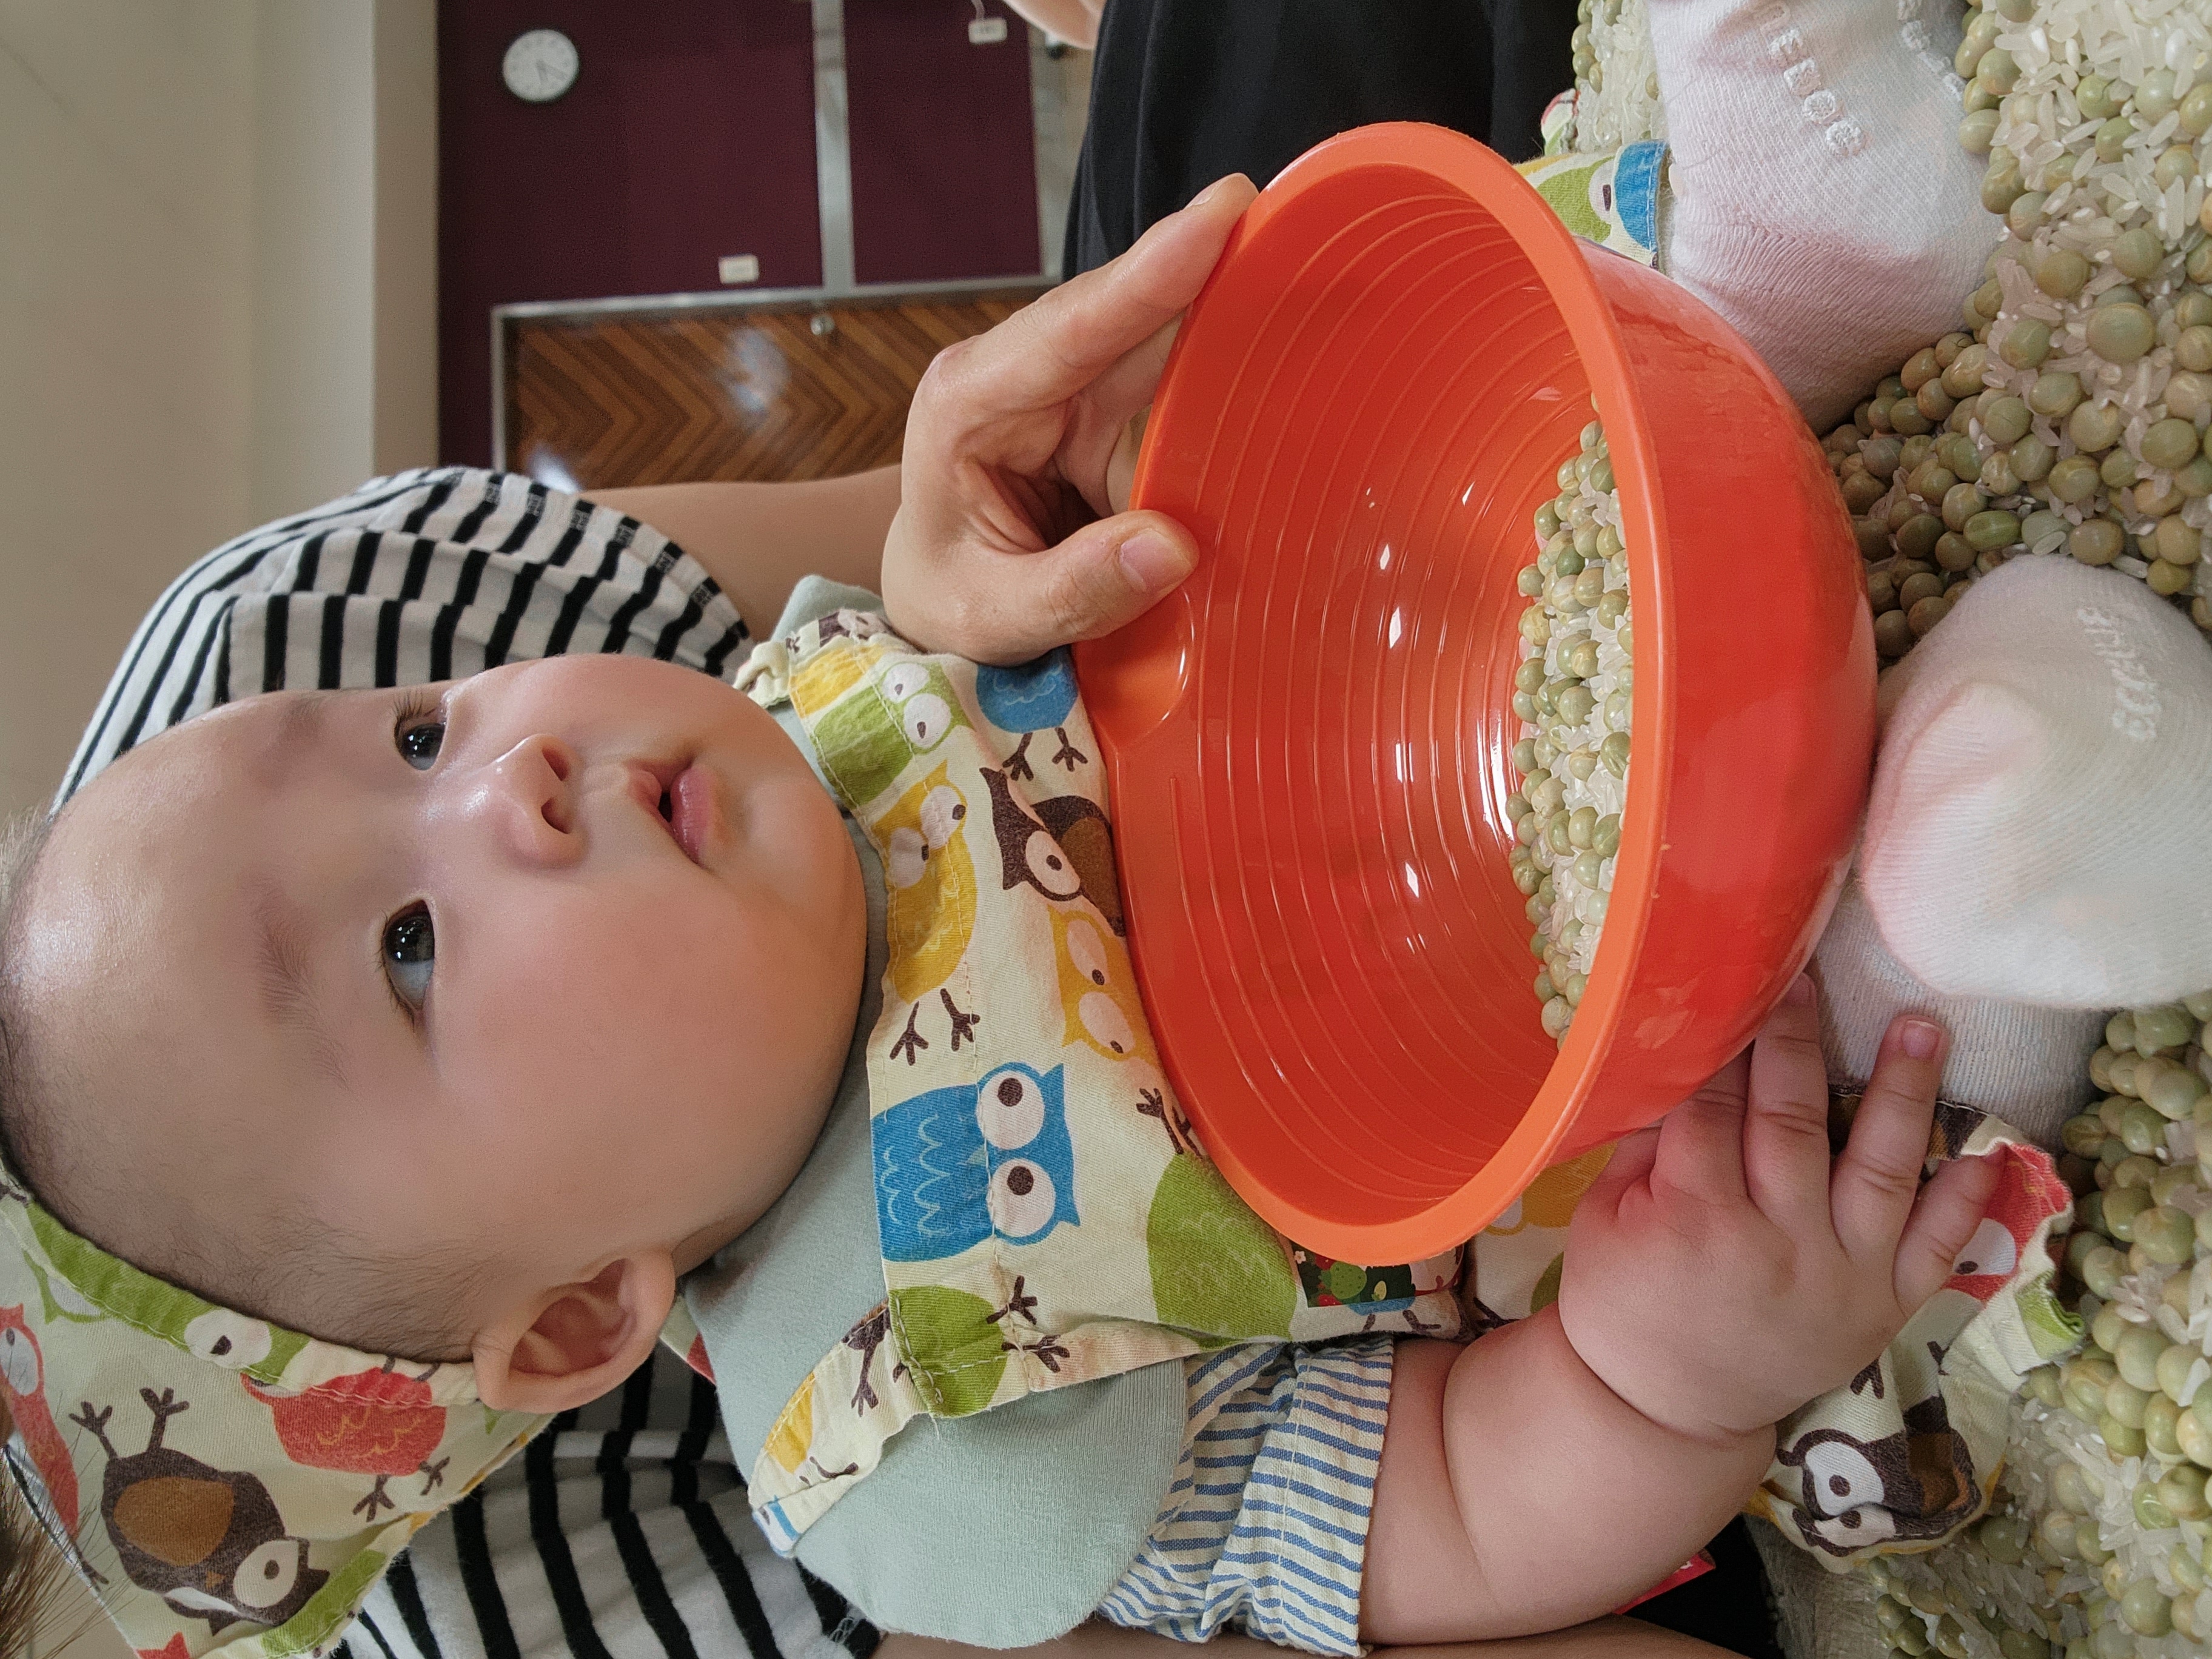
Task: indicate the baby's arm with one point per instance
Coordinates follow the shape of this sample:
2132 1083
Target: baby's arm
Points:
1721 1273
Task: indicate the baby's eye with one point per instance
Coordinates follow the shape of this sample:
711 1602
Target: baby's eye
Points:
410 951
419 745
418 731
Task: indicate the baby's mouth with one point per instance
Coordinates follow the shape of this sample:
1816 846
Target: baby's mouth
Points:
692 812
681 794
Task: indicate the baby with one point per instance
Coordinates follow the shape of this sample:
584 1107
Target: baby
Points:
461 1023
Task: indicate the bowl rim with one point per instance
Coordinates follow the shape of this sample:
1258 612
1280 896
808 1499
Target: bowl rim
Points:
1560 263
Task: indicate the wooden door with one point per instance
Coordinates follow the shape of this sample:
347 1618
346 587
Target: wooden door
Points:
786 388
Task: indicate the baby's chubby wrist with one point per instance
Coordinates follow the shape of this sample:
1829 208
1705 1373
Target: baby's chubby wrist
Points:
1643 1359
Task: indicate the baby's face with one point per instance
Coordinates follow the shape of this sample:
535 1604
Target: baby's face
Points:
541 967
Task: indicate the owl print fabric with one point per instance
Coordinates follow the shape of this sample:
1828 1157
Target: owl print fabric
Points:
1046 1216
224 1486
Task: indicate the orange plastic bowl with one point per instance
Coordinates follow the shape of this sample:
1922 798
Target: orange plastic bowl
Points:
1309 743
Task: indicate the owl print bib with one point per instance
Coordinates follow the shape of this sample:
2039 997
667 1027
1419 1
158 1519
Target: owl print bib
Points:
1046 1216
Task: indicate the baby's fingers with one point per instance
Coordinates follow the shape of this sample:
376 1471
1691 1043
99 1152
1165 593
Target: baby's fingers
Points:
1785 1133
1878 1176
1942 1225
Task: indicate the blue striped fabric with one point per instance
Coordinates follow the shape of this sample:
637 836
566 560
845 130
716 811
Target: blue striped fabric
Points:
1265 1528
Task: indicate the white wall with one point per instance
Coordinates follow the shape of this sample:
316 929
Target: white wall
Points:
218 303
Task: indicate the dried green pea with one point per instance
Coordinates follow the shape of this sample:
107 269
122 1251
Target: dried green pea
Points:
2174 541
2182 1491
2120 1439
2146 1612
1613 751
2033 459
1892 633
2055 393
1960 503
2176 1093
2121 333
2165 1025
2006 420
2195 108
1931 479
2124 1403
2137 253
1917 538
2094 541
1992 529
2081 1134
2026 344
2171 443
2166 1236
2161 1422
2141 1127
1954 553
2122 1205
2155 95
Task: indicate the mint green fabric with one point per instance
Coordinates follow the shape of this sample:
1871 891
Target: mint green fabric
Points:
942 1540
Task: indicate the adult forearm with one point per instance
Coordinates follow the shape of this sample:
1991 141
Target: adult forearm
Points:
1603 1638
1075 21
1533 1496
757 540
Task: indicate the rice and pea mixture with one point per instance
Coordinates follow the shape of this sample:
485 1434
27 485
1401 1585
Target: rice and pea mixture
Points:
2068 417
1573 695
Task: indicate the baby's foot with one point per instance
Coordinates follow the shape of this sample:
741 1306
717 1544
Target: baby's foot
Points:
1823 204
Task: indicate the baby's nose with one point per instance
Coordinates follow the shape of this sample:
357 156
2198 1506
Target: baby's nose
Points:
529 804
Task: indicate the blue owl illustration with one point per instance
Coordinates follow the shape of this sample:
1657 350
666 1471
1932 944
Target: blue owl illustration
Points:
1028 698
953 1166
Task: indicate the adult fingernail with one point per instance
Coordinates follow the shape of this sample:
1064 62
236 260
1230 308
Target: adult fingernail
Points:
1152 563
1920 1038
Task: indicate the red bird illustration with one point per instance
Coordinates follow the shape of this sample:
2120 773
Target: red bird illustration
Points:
379 1423
2029 1190
23 1374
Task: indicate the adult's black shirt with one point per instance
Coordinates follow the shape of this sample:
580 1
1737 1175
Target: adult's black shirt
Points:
1183 91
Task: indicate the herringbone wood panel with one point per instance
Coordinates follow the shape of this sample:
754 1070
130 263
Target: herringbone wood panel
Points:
643 398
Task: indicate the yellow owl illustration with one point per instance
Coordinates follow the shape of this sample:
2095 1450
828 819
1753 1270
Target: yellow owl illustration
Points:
1097 992
930 905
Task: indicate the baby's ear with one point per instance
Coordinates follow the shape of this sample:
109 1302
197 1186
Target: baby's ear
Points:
569 1345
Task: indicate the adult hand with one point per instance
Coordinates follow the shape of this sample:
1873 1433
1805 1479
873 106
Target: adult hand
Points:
1723 1269
1007 542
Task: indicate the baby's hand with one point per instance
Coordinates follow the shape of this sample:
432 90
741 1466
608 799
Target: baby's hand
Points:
1725 1270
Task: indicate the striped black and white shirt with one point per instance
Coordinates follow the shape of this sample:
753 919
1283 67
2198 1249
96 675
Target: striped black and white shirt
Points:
622 1533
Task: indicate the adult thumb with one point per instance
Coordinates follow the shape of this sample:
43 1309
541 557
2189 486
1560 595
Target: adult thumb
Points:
1104 575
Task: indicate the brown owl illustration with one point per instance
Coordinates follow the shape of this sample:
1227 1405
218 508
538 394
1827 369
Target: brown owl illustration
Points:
1919 1483
210 1544
1062 847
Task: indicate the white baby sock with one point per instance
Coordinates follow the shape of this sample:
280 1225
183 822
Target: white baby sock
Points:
2040 827
1822 204
2022 1062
